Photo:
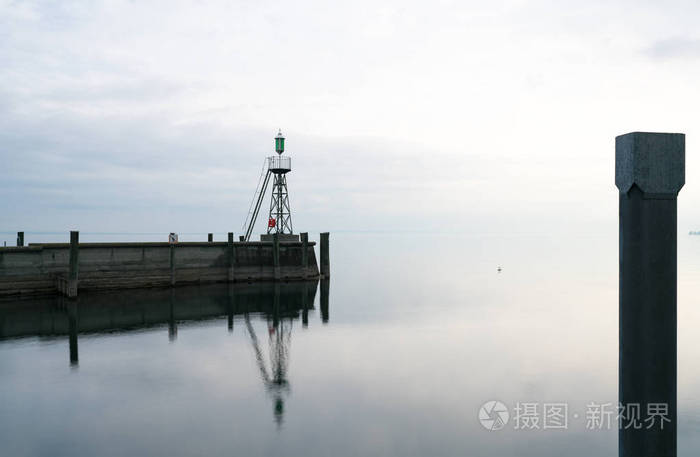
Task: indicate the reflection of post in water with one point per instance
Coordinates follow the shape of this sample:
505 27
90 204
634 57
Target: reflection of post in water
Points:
305 307
276 306
172 323
325 286
72 308
230 305
275 380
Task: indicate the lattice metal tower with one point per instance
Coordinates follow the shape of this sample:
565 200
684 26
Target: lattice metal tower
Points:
280 220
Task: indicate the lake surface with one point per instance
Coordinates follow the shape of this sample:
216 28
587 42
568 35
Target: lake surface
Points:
418 333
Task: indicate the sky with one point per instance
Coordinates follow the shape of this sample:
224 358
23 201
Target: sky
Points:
464 116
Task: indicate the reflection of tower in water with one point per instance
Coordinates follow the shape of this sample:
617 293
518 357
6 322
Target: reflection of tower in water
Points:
279 337
279 330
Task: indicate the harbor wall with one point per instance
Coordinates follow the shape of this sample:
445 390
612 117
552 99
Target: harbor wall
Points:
39 269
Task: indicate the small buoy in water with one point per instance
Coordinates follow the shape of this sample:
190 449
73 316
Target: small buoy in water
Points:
499 269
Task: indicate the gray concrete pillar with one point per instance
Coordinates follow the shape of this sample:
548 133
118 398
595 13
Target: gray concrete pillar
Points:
325 257
304 253
73 260
276 255
210 237
20 238
649 173
231 254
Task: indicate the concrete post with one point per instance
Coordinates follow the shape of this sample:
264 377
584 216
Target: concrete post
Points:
649 172
20 238
210 237
325 258
304 253
276 255
73 259
231 253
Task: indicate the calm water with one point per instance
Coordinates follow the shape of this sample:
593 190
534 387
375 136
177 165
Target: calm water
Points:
418 333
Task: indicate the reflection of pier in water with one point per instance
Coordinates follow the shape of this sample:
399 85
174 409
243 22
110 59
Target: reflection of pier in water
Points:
145 308
279 304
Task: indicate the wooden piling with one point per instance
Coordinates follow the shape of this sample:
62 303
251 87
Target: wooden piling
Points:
172 264
304 253
325 257
231 254
210 237
73 259
325 289
276 255
20 238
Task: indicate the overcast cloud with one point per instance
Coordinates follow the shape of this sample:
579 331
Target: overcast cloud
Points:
461 116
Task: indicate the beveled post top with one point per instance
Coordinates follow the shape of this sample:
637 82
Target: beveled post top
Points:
655 162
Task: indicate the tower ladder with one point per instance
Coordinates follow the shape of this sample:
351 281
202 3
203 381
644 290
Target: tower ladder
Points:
256 202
